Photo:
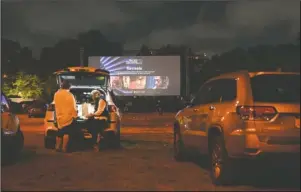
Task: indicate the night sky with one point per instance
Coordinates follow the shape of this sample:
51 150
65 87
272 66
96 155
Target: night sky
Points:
204 26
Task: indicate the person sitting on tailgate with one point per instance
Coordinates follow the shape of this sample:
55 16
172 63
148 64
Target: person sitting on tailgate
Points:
98 120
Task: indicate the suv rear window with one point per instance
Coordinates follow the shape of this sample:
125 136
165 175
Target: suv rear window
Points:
277 88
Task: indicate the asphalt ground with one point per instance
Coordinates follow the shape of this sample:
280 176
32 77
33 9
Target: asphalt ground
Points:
144 162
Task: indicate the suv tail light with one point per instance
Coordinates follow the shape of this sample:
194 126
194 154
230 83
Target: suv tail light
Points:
50 107
261 113
112 108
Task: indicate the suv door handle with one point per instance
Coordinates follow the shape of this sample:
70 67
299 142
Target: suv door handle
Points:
195 110
211 107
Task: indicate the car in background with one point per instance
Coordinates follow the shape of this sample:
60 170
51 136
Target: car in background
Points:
25 105
20 104
16 107
12 139
83 80
238 116
37 109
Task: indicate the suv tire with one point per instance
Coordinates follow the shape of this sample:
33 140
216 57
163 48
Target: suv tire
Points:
220 164
21 141
178 147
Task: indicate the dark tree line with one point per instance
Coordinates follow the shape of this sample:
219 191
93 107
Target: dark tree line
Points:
15 58
66 52
285 57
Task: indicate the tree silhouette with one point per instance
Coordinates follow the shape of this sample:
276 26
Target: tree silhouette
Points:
25 86
144 51
67 50
257 58
9 56
96 44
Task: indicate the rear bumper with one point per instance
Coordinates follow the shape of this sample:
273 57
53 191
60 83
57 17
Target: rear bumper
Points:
37 113
250 145
50 133
50 129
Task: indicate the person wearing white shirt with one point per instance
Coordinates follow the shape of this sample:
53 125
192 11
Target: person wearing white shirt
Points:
98 120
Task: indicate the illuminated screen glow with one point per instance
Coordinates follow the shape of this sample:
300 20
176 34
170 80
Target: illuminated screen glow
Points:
141 75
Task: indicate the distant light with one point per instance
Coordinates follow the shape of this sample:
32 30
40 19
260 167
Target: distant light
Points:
4 76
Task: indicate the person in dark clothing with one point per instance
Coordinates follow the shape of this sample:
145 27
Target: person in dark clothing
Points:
98 120
159 108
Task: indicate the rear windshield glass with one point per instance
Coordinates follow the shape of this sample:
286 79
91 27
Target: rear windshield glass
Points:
85 79
276 88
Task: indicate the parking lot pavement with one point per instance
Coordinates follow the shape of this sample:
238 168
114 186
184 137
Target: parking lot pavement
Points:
143 163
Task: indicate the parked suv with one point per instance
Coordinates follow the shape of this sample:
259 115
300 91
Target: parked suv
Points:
12 139
83 80
241 115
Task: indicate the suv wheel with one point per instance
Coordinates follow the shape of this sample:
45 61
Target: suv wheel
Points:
20 140
220 163
178 147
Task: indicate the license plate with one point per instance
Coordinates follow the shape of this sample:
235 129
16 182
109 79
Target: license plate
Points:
297 123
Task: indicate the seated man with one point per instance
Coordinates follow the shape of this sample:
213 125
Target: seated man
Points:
98 120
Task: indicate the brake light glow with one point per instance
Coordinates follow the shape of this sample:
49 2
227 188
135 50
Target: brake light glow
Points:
112 108
50 107
261 113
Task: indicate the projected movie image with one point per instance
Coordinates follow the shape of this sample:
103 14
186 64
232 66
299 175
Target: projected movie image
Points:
143 75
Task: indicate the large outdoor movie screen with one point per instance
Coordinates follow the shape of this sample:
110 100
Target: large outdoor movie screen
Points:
141 75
